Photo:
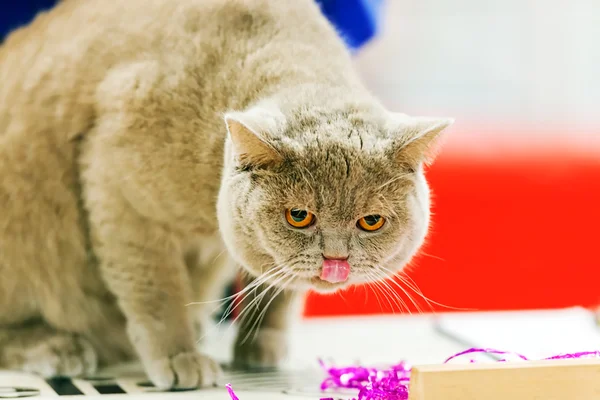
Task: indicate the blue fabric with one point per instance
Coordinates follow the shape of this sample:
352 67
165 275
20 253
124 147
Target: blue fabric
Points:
355 20
15 13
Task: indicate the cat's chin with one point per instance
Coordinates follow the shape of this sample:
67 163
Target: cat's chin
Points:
319 285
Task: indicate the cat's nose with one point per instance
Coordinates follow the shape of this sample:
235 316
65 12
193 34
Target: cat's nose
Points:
335 270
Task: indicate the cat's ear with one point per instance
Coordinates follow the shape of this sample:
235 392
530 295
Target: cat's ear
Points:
416 138
248 133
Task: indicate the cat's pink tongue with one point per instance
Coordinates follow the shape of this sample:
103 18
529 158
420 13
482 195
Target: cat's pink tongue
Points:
335 271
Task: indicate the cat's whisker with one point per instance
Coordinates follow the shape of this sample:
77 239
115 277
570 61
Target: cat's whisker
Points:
413 287
253 286
249 311
407 293
418 291
247 290
341 293
221 300
385 294
257 296
402 306
273 272
244 293
217 256
374 282
224 299
431 256
283 287
370 286
258 300
384 281
258 321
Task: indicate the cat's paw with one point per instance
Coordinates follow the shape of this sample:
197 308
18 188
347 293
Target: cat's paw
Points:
60 355
187 370
265 350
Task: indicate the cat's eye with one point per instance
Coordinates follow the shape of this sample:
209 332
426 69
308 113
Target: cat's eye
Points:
299 218
371 223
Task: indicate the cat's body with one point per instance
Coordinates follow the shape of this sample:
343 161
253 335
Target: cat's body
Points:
112 169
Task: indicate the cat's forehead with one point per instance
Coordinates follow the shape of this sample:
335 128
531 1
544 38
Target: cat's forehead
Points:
343 163
349 123
339 161
342 179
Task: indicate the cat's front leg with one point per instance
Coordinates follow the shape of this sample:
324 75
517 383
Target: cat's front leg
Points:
262 339
143 266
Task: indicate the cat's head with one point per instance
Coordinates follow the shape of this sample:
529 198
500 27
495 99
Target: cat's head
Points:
325 198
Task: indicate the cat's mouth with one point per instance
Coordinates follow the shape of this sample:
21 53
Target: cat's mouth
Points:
333 274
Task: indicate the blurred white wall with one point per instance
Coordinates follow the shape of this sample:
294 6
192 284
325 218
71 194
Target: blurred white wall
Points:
503 63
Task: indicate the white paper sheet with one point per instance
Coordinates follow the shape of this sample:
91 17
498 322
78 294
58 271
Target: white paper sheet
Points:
535 334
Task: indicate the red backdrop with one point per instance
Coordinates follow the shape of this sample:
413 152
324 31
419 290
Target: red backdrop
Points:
516 232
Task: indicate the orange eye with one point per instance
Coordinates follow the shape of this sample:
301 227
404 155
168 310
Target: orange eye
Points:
371 223
299 218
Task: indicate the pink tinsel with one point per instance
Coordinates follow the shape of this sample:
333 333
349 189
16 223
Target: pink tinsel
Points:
231 392
371 383
392 383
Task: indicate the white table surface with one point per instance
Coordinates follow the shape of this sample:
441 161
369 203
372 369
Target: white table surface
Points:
424 339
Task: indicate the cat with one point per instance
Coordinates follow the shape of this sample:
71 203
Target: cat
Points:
152 149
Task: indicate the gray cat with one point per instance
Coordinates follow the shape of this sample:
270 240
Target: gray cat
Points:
149 147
